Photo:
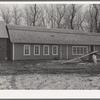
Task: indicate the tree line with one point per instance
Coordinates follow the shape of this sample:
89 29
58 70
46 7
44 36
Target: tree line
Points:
65 16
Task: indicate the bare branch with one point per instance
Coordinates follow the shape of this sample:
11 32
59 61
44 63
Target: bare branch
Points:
6 15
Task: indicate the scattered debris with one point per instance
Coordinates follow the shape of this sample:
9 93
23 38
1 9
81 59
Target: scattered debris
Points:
78 58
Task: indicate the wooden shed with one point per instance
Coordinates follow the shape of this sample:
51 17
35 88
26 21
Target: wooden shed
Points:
3 42
29 43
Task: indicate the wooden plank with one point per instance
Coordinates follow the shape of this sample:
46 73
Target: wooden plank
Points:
79 57
60 51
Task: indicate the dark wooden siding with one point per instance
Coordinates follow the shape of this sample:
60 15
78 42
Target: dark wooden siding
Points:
9 49
3 49
64 51
97 48
19 55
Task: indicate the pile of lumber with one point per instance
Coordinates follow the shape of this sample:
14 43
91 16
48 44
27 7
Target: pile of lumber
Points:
79 58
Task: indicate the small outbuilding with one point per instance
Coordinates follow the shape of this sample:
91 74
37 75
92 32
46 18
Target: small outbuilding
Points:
3 42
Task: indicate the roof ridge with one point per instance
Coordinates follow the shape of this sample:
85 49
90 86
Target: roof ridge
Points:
51 30
46 30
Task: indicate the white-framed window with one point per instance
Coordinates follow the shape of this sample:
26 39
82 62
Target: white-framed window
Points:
26 49
54 50
79 50
36 49
46 50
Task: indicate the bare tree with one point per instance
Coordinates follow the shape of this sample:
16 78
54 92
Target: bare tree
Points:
51 15
16 15
6 15
79 21
42 17
26 15
32 14
61 10
93 18
96 17
70 15
55 14
73 11
89 19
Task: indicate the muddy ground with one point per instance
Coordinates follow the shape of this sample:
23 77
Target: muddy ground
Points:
50 75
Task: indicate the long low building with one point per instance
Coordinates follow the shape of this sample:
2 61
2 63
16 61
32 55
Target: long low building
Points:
30 43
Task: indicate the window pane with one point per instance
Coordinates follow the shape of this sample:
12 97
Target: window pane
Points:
74 50
54 50
37 50
85 50
78 50
46 50
81 50
26 50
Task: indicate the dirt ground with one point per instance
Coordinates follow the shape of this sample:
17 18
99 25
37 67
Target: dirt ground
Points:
45 75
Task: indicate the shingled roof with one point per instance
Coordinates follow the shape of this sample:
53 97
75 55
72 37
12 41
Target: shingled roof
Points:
3 31
26 34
